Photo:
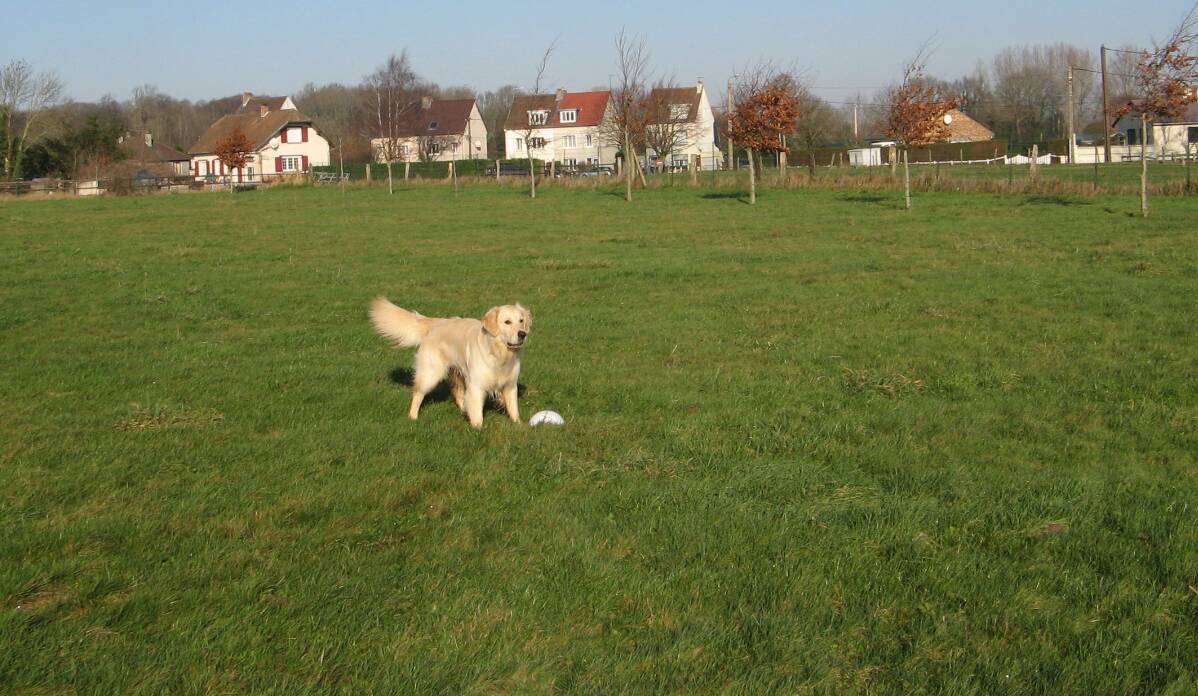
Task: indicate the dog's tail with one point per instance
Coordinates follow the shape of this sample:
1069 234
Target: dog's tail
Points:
406 328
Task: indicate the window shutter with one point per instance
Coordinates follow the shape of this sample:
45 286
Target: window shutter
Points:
305 162
283 135
304 134
279 165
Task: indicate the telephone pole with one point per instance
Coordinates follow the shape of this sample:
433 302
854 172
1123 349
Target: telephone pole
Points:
856 105
1069 117
1106 117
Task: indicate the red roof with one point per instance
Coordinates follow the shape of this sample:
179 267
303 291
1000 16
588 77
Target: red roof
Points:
590 107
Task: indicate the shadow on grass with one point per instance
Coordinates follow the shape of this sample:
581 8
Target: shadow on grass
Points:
1053 200
730 195
402 376
866 198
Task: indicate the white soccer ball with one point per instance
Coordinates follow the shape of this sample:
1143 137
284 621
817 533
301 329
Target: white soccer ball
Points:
546 418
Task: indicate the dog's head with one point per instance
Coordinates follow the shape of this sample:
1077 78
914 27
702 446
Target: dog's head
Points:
509 323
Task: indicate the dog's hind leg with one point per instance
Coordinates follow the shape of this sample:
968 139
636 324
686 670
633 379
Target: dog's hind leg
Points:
428 371
457 385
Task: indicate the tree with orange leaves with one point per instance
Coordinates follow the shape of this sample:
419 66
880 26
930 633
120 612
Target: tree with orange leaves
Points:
759 122
234 151
915 114
1165 79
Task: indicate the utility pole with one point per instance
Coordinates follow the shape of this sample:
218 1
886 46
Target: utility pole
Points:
1069 117
856 105
731 108
1106 117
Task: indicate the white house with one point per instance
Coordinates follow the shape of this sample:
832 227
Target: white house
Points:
684 114
1168 137
436 130
565 127
284 141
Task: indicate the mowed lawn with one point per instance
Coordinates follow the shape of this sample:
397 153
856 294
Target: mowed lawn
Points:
820 445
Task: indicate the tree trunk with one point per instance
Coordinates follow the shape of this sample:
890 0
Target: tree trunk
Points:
752 179
627 171
390 183
532 176
1144 165
906 180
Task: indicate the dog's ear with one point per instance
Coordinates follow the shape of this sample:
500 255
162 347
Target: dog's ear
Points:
491 321
527 316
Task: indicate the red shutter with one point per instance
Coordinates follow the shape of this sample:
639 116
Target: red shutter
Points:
279 165
304 134
283 135
305 162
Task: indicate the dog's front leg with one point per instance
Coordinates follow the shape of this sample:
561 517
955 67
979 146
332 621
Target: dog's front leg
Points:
511 403
474 405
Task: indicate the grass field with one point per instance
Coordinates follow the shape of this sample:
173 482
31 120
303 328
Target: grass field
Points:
820 445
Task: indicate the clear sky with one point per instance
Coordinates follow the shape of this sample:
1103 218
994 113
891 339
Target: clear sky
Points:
203 50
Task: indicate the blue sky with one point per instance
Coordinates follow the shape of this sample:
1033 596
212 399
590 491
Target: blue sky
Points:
188 50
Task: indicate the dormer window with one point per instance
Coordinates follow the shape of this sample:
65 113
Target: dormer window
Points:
679 112
432 125
538 118
569 116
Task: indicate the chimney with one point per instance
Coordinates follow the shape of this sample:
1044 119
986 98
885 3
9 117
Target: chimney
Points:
699 86
560 94
149 139
246 97
426 103
263 110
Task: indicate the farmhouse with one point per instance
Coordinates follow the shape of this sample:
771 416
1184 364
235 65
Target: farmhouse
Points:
284 141
565 127
684 116
141 151
436 130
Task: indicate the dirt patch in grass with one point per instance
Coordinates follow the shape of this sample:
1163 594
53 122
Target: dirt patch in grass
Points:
161 417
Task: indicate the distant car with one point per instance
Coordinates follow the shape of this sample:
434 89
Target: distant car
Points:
598 170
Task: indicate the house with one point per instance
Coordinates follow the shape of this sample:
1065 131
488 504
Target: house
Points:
284 140
141 151
963 129
1166 137
565 127
683 119
436 130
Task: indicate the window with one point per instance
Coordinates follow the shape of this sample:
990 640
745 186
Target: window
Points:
679 112
680 139
569 116
536 142
403 151
538 118
295 135
434 148
570 162
432 125
592 160
1192 135
293 164
590 140
453 147
519 143
569 141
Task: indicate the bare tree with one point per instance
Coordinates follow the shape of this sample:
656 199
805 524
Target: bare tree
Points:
429 147
915 113
24 101
817 121
494 106
1166 78
534 121
625 126
670 119
335 108
392 89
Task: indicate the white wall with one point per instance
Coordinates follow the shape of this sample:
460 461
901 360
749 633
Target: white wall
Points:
262 162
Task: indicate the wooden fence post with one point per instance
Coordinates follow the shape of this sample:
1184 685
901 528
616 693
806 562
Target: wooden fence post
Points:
1032 163
406 167
497 171
367 173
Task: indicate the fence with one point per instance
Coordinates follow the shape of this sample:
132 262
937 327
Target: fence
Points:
126 185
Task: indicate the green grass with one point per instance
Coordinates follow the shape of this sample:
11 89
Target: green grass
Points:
820 445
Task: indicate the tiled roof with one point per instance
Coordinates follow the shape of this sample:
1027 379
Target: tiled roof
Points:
964 129
258 128
590 106
448 115
662 99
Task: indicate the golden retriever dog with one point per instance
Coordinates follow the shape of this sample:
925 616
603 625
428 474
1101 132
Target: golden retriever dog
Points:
478 357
